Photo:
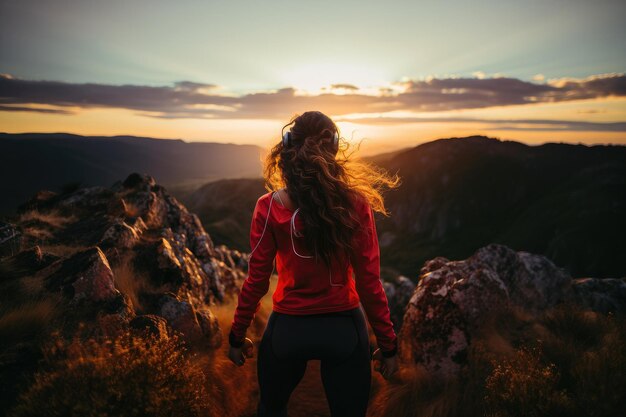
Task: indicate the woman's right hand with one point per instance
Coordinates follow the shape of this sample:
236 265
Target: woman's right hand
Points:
386 366
238 355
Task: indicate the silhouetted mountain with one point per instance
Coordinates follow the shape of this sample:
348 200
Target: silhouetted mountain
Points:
566 202
30 162
559 200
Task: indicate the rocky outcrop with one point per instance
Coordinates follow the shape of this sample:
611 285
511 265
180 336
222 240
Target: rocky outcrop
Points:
26 262
85 276
166 260
10 239
453 298
398 293
195 325
606 295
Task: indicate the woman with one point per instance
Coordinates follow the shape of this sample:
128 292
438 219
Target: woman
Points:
319 228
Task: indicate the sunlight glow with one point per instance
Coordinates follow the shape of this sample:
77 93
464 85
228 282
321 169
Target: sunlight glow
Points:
320 77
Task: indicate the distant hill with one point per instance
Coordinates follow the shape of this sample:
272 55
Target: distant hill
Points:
30 162
567 202
225 208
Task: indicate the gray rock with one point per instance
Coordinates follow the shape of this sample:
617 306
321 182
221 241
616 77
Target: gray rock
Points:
603 295
453 298
85 276
120 235
10 239
399 292
192 324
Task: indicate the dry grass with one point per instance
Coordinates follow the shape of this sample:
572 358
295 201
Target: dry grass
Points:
129 281
126 375
26 309
226 311
63 251
38 233
589 350
32 284
238 387
129 375
27 321
568 362
413 392
42 227
52 218
131 209
526 386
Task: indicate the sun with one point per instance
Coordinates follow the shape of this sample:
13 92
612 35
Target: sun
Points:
324 77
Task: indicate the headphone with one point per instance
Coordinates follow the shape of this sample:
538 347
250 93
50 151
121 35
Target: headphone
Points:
288 139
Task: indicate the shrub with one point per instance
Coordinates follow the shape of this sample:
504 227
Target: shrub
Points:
599 374
525 386
127 375
567 362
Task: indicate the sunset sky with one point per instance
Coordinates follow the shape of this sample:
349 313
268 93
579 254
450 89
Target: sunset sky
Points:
393 74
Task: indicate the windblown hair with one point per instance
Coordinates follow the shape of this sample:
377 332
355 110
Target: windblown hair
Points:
325 182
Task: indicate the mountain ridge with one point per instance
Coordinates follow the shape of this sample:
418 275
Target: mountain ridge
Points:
35 161
458 195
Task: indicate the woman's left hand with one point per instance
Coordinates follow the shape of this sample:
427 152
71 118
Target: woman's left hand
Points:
386 366
238 355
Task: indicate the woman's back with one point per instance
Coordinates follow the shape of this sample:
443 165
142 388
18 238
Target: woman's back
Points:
320 232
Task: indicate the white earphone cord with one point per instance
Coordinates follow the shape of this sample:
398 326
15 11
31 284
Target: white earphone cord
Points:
291 233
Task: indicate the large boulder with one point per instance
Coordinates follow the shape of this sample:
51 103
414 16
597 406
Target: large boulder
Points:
85 276
452 299
533 281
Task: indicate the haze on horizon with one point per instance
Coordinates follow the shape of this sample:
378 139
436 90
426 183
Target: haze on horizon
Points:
392 74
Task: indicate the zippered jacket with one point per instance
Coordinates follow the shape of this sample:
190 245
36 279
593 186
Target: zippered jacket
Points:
306 286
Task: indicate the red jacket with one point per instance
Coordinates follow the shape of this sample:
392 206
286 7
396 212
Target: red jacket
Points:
305 286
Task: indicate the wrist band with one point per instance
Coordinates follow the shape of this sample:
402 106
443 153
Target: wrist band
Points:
234 342
390 353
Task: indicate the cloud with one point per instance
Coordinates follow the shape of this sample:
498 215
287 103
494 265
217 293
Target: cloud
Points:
499 124
187 99
192 86
35 109
591 87
344 87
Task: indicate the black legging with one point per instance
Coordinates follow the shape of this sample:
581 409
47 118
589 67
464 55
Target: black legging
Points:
339 339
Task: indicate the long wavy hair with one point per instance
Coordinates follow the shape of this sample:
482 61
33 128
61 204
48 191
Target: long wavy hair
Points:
325 181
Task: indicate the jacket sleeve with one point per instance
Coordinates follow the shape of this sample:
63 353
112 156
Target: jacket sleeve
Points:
260 268
365 260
